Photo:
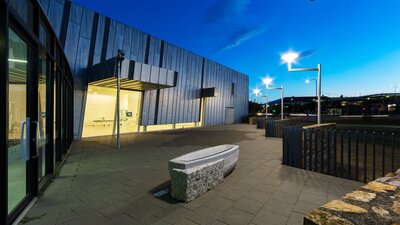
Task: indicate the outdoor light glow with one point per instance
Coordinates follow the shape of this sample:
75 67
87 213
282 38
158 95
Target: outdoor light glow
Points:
290 57
267 81
307 81
17 60
256 91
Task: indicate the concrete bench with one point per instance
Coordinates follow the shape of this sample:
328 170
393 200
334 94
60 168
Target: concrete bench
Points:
197 172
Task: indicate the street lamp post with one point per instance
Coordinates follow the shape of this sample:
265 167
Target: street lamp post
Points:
257 93
316 85
282 96
291 57
120 57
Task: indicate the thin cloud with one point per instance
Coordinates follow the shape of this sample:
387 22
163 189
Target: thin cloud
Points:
310 52
241 36
224 10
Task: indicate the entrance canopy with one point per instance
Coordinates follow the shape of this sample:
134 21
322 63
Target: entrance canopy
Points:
134 75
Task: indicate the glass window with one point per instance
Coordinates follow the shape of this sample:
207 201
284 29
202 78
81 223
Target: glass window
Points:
44 36
42 115
129 111
100 111
24 9
18 149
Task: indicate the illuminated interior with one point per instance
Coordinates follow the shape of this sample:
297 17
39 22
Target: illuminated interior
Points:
100 113
101 108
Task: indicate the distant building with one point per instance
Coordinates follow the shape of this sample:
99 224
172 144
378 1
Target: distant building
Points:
375 104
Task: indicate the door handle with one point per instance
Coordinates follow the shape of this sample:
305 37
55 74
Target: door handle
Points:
24 142
36 139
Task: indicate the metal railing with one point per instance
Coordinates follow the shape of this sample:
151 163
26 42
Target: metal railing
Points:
361 156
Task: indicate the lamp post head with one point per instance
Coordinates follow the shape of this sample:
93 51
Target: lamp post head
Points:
290 57
256 91
267 81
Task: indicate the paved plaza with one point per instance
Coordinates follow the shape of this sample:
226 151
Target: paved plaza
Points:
102 185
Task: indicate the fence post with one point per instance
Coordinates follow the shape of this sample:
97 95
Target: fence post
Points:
373 155
393 152
334 152
310 137
349 154
365 157
284 147
316 149
304 148
341 154
322 134
383 154
357 133
329 151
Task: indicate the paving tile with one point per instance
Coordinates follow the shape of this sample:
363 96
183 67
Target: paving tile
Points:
304 207
258 195
269 218
124 219
278 207
236 217
267 188
185 221
248 205
231 194
219 204
285 197
313 198
296 219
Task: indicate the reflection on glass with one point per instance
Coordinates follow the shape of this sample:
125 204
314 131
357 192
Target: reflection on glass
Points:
101 107
17 147
99 112
24 9
129 113
42 116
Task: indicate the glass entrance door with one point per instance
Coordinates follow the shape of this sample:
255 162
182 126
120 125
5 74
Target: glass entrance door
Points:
18 121
42 107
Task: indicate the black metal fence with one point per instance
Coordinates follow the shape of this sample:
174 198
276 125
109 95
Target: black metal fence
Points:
274 128
361 156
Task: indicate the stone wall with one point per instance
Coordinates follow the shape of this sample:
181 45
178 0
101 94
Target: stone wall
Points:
377 202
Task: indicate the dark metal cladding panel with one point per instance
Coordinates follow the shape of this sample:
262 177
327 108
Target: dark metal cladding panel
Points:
126 46
71 44
145 110
55 13
111 40
119 38
152 101
171 78
163 76
75 15
99 39
137 71
87 23
125 69
145 73
154 74
45 5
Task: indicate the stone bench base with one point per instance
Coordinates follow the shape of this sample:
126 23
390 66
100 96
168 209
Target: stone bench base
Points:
189 184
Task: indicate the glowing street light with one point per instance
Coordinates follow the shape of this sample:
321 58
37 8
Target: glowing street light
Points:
291 57
316 85
257 92
282 96
267 81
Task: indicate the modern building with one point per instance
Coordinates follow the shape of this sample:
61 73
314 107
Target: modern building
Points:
58 82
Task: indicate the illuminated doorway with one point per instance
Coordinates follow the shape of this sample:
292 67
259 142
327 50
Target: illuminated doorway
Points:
100 112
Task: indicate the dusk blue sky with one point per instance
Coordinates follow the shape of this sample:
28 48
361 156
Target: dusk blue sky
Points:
356 41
